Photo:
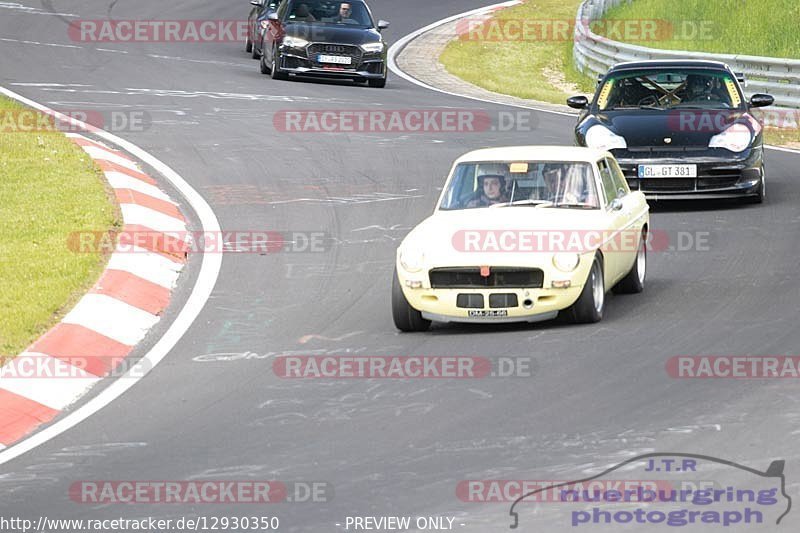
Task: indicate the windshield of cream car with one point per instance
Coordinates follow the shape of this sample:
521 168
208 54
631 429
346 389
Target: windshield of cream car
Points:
522 183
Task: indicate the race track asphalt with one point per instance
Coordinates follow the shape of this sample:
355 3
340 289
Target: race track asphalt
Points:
599 394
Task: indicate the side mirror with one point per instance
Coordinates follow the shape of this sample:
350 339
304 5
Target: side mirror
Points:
578 102
255 2
761 100
272 15
383 24
616 204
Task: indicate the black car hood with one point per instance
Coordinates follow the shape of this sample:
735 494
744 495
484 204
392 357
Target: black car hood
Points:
684 127
329 33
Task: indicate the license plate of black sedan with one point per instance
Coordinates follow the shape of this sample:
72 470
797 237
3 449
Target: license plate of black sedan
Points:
338 60
667 171
488 313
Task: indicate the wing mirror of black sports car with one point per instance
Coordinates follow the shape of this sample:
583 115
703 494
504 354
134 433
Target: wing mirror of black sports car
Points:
272 15
383 24
578 102
761 100
255 2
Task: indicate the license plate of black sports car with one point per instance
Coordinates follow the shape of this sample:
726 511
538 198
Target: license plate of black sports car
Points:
667 171
487 313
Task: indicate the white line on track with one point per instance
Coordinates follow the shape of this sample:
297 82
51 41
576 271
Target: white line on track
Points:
206 280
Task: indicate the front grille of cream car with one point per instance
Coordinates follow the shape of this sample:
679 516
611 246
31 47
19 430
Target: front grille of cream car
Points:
470 278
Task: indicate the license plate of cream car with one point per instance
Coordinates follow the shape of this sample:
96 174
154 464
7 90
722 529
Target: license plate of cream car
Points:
339 60
667 171
488 313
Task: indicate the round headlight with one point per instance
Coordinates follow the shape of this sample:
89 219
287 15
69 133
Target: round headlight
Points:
566 262
603 138
412 260
736 138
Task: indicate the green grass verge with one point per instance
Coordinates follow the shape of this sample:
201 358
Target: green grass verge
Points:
760 28
50 188
539 69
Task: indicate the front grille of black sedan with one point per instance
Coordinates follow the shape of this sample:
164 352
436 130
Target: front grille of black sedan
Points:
470 278
341 50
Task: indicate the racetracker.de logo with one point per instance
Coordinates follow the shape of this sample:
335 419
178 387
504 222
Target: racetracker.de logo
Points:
157 31
383 121
177 492
68 121
733 366
400 367
561 30
181 243
610 491
575 241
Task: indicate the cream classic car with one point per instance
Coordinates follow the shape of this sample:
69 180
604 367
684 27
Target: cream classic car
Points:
521 234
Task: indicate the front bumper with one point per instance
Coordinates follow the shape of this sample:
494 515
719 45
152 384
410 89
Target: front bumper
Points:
718 175
497 304
296 61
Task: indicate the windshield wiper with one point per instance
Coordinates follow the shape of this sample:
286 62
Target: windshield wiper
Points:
523 202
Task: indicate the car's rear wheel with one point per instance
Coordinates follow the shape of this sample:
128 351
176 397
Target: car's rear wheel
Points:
255 51
274 70
248 44
633 282
379 83
406 318
589 306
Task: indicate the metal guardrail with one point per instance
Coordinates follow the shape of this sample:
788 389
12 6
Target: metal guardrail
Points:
594 54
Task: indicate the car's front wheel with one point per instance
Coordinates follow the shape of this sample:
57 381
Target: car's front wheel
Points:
406 318
589 306
255 51
633 282
248 44
274 69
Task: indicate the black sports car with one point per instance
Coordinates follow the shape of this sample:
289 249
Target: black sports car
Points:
323 38
679 129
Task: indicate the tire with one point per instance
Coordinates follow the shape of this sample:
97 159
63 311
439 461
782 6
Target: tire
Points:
274 70
248 44
406 318
255 53
633 282
262 64
377 84
589 306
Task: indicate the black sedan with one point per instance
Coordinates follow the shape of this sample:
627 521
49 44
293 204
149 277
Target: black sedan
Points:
679 129
323 38
258 13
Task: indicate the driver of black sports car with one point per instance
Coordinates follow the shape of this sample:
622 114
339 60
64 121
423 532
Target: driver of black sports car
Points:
699 88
